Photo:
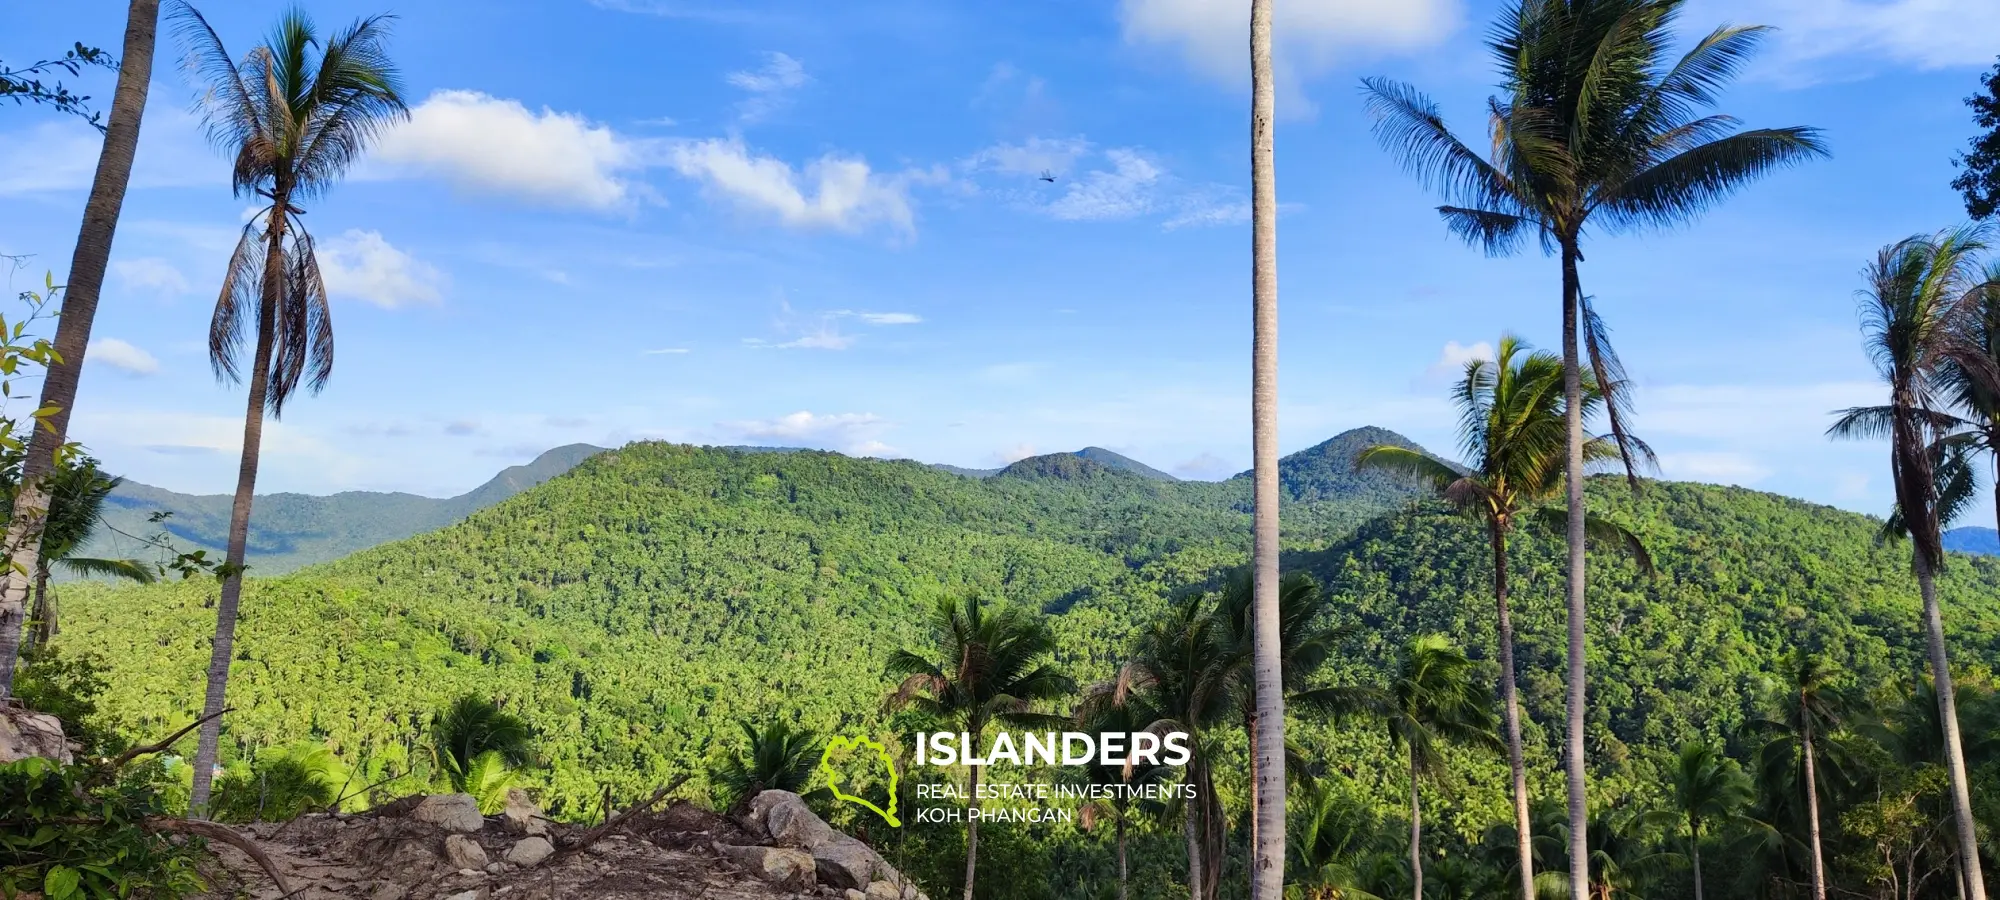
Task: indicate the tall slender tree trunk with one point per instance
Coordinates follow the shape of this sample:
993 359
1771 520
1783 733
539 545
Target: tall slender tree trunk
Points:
1256 790
42 630
1416 834
1195 810
224 648
23 543
1954 747
1579 808
972 818
1510 712
1267 865
1694 852
1812 813
1124 874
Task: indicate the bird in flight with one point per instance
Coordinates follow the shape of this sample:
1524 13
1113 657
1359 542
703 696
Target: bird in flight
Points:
1047 176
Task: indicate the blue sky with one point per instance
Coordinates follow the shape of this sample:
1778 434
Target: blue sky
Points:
821 224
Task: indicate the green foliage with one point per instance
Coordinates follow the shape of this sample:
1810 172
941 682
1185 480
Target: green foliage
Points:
282 784
1979 179
69 836
24 85
480 747
68 688
777 757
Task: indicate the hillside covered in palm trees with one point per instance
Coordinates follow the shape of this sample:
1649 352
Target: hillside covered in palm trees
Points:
633 611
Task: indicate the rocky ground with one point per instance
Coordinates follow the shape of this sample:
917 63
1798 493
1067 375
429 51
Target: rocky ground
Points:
440 848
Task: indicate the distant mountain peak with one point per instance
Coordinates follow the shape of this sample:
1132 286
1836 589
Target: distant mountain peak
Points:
1115 460
1326 470
1061 466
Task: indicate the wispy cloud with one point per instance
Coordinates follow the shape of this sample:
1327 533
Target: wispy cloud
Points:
879 318
664 351
122 355
840 193
362 265
856 434
486 144
1311 34
1813 34
770 87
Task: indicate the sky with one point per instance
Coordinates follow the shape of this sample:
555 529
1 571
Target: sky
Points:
795 223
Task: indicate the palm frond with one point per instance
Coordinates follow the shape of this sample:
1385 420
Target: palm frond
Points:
1695 179
128 569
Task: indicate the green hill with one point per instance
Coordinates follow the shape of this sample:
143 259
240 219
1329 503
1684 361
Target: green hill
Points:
288 531
635 608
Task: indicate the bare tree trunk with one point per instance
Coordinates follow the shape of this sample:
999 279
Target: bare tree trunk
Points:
1579 808
1510 710
971 818
1124 874
1694 852
1954 748
39 617
224 647
1256 790
1812 813
1267 865
1193 819
1416 835
23 542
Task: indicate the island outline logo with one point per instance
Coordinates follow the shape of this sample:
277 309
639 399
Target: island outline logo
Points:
833 778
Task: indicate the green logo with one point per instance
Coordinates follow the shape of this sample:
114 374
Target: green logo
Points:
833 775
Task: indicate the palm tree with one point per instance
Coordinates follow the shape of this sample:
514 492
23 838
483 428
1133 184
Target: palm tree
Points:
76 490
1267 863
1184 675
1918 311
1306 640
780 758
1433 700
296 112
1332 838
1119 718
86 279
1809 707
1623 851
479 746
1977 403
1511 430
984 669
1708 787
1594 125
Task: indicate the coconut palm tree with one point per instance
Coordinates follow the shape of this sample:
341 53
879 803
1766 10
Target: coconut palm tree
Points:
77 490
1306 640
1708 788
1808 709
1595 125
1184 675
296 112
87 265
1267 857
1433 700
779 758
1511 431
1976 404
1919 315
983 669
480 746
1121 807
1332 838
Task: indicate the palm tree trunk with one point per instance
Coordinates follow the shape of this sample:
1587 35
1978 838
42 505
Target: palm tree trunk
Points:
1579 809
1694 852
1812 813
1124 874
1954 748
1214 834
41 631
972 818
1256 790
1416 834
1192 819
1267 865
79 309
223 649
1510 710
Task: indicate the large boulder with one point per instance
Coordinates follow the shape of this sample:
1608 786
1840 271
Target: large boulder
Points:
464 853
840 861
451 812
530 851
522 816
845 863
783 868
24 733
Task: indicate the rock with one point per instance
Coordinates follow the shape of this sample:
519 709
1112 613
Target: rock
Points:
522 816
786 869
529 851
845 862
852 894
451 812
464 853
496 868
388 891
792 824
883 890
478 893
24 734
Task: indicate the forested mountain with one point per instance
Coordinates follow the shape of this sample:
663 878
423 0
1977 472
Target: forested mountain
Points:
292 530
1973 539
636 608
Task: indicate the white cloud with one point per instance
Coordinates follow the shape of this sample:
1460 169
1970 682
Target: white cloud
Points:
1310 34
852 433
1031 157
61 155
1751 415
770 87
485 143
1203 209
880 318
835 192
1716 467
826 337
1926 34
122 355
1010 455
1452 359
361 265
151 275
664 351
1129 188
